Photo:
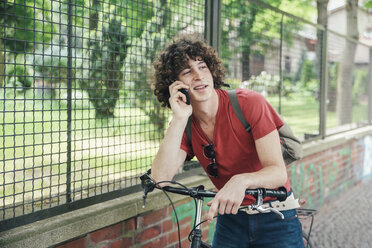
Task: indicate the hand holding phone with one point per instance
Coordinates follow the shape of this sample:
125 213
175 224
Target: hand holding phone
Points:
186 93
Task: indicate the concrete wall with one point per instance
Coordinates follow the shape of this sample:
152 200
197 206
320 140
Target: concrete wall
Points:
329 168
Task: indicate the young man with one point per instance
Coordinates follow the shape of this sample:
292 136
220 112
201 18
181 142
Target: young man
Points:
233 158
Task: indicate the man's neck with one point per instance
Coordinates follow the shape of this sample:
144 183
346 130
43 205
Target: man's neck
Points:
206 111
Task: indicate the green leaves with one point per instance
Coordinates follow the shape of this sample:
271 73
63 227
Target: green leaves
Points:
369 5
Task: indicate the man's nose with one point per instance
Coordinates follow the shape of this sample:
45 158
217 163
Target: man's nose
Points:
197 74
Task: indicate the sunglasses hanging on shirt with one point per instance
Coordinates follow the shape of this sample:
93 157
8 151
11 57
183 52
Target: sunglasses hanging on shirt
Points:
209 153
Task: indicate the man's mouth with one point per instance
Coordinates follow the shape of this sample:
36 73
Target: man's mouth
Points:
200 87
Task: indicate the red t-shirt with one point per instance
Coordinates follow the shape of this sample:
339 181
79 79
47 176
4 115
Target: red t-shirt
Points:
234 147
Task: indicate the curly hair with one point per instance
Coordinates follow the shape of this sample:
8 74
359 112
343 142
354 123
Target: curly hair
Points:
174 58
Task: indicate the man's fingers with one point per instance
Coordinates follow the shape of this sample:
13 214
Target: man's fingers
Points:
212 210
235 209
221 207
229 207
176 86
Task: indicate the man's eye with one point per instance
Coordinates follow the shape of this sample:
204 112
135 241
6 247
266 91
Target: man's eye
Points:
186 72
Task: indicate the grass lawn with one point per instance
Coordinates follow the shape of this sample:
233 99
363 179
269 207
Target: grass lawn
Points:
34 147
302 114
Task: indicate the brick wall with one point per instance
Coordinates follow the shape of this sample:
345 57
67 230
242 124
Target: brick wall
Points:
318 178
155 229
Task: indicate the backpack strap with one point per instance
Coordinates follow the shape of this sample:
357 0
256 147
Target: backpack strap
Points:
237 109
188 130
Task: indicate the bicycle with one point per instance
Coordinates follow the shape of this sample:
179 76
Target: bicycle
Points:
198 194
304 214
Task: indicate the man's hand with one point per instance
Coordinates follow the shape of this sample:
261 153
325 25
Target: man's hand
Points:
228 199
177 100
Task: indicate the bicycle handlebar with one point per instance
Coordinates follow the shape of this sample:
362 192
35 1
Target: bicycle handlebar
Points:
149 184
197 192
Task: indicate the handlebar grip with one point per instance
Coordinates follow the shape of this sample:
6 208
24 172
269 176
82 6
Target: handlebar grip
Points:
280 194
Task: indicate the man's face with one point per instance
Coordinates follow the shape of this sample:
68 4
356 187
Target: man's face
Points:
199 78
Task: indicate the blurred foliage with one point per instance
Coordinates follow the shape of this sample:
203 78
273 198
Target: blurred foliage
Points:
250 29
18 77
106 55
264 83
360 85
21 19
368 4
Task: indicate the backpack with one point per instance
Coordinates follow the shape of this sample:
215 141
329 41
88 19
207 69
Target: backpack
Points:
290 144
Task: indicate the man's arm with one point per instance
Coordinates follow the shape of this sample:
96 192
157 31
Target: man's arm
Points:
272 175
274 172
170 156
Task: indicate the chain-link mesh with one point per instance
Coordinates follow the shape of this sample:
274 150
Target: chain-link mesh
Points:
274 54
348 70
283 57
78 115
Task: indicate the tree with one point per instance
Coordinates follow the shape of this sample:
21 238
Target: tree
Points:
106 56
112 28
345 78
170 18
140 59
255 29
17 37
368 4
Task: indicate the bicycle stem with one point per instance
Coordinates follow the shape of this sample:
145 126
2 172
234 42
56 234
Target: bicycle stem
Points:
198 217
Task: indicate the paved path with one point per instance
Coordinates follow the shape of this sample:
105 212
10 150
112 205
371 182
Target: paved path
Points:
347 221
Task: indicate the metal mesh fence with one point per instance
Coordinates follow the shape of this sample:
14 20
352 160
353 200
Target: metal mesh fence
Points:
275 54
78 117
348 60
284 58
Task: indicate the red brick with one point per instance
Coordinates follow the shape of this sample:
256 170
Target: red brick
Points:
125 242
205 234
153 217
130 225
77 243
107 233
181 202
148 233
186 221
167 225
156 243
185 243
173 236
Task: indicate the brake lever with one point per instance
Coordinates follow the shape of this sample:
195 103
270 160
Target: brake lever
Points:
148 185
261 209
258 205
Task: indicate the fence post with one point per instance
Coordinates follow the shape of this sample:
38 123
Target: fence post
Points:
370 87
323 85
69 98
212 25
281 66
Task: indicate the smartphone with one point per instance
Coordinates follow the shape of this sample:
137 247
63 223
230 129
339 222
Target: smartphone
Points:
186 93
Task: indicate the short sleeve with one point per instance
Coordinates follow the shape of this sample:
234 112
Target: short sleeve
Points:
258 112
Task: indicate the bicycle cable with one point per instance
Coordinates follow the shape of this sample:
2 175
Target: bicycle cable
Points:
173 207
201 222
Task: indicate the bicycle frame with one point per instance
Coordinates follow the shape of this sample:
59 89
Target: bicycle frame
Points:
199 193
